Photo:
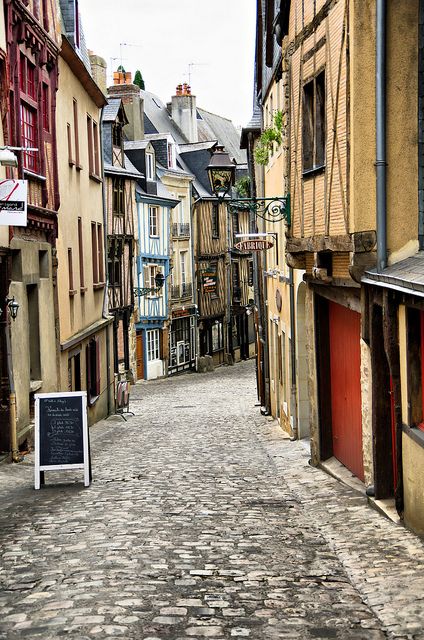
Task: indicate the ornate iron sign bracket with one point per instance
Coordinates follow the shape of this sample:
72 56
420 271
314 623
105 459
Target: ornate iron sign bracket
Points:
270 209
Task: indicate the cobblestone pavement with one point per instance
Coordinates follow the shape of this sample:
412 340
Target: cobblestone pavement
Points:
202 522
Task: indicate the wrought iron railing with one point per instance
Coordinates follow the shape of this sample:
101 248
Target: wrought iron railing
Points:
179 291
181 230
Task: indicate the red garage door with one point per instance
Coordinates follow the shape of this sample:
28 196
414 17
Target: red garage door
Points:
345 368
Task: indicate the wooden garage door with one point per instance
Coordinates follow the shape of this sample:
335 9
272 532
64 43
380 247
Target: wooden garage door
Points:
345 372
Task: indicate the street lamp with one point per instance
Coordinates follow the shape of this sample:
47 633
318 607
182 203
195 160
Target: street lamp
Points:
221 173
13 307
8 158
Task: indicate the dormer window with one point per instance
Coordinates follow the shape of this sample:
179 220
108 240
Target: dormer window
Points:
171 157
150 166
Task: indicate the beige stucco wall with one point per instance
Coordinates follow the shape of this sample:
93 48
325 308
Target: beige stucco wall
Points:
413 482
402 132
80 196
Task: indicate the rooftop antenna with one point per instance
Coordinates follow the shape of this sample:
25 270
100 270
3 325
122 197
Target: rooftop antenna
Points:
190 69
127 44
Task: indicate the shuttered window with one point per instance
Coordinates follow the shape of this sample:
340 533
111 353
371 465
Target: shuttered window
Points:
314 123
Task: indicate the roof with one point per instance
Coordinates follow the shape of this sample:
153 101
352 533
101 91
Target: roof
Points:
136 144
157 118
163 196
129 171
173 171
254 125
213 127
406 276
111 110
67 13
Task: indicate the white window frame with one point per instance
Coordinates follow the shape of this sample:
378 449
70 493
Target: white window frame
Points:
153 221
150 165
153 348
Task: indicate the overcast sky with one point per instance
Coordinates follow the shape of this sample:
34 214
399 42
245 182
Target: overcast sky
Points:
216 35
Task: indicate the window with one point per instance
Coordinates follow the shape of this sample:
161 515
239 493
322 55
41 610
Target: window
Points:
153 345
153 222
114 261
81 253
236 281
250 273
71 161
150 174
27 77
118 203
46 110
215 220
90 146
183 260
93 147
171 162
117 134
92 354
76 134
97 253
77 25
29 137
70 272
236 225
313 124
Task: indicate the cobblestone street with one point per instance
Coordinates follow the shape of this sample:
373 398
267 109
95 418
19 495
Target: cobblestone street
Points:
202 521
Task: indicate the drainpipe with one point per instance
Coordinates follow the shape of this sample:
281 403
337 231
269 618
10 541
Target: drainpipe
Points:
293 403
105 313
194 278
381 163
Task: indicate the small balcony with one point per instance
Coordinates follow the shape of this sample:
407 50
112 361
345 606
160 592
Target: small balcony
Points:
181 291
180 230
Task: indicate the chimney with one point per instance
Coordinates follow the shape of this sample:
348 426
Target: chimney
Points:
133 104
122 77
98 71
184 113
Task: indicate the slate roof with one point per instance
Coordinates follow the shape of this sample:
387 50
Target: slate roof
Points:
213 127
111 110
255 124
129 171
406 275
67 10
157 118
136 144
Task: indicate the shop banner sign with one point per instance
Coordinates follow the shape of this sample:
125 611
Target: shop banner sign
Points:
209 278
13 203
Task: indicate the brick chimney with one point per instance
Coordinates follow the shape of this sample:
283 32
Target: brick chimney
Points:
133 103
184 113
98 70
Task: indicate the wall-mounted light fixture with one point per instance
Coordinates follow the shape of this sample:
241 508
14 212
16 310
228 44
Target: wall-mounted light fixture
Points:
221 171
8 158
13 307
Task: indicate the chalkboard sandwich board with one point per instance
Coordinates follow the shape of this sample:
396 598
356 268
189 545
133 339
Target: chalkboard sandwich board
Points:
61 434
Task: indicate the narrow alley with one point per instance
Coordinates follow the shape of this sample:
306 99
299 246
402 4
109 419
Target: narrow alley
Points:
202 521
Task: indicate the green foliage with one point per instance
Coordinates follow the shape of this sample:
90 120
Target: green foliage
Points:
121 69
138 80
242 187
270 135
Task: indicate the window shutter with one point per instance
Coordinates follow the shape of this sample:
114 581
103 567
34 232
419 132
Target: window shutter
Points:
163 344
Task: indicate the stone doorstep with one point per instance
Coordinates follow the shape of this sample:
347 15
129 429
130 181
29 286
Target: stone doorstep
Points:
338 471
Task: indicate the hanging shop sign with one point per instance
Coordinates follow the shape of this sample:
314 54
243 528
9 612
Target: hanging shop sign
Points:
13 203
210 277
254 245
61 434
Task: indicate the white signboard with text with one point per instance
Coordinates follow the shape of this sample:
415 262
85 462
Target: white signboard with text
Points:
13 203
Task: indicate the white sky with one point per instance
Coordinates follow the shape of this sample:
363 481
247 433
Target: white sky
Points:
219 35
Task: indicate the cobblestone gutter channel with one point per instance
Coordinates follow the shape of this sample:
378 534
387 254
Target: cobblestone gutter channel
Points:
201 522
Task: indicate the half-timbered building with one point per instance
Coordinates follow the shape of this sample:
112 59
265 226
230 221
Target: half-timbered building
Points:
153 268
120 201
30 85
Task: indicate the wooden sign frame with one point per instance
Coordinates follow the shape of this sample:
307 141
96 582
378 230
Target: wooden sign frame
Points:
86 464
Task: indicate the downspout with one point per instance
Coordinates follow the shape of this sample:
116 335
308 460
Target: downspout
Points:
381 160
194 278
293 398
105 313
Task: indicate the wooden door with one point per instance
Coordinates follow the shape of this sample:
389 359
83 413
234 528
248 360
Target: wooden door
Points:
345 374
140 356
